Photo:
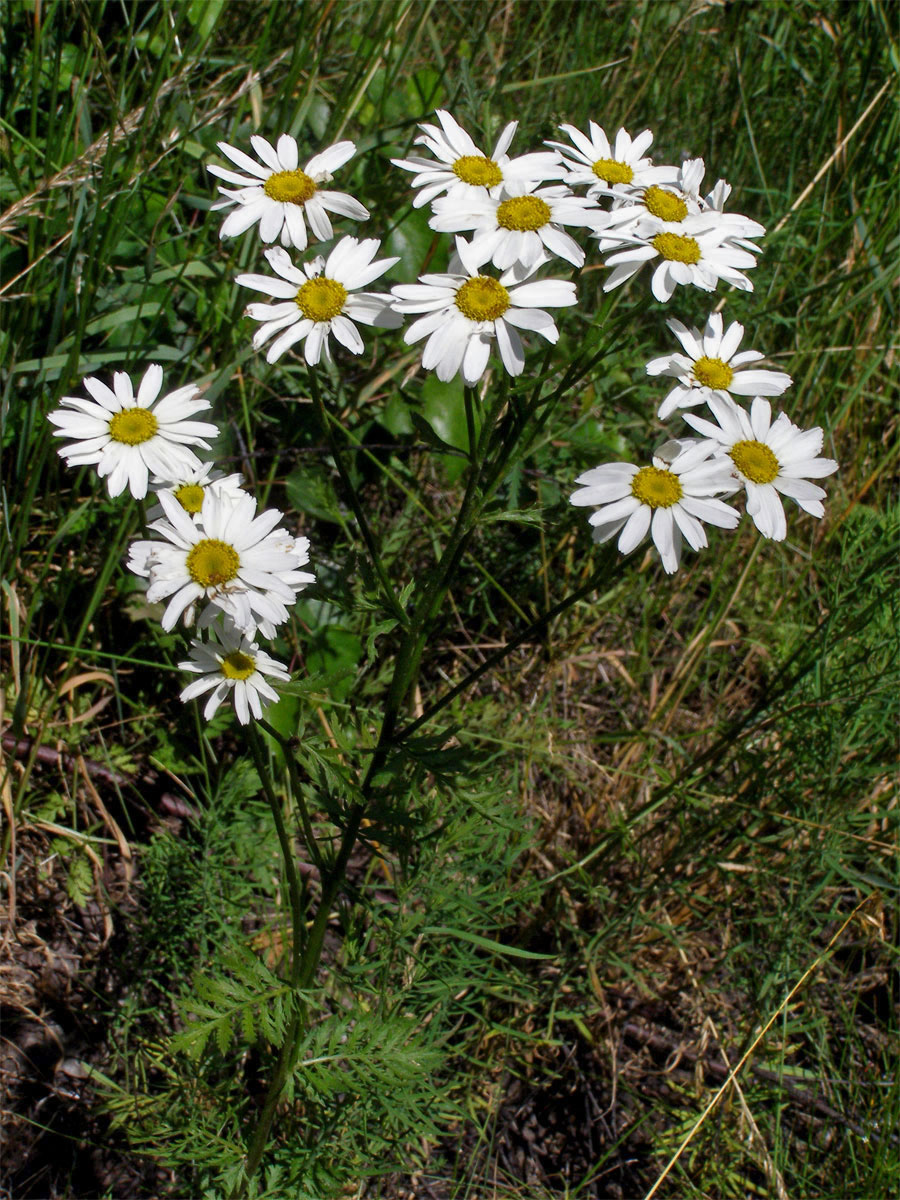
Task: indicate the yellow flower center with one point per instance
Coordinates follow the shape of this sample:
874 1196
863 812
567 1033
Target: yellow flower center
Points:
320 299
657 488
238 665
665 205
133 426
523 213
482 299
676 248
290 187
190 497
212 563
755 461
713 373
611 171
477 170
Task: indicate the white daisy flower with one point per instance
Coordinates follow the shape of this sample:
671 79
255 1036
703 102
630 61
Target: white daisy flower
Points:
129 436
231 556
465 311
317 300
519 223
700 255
711 364
231 665
768 457
601 165
462 167
282 196
294 550
669 499
676 209
189 488
669 202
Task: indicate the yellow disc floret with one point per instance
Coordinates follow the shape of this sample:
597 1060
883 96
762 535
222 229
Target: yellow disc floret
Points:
675 248
665 205
656 487
477 170
238 665
482 299
190 497
212 563
713 373
523 213
755 461
321 299
290 187
611 171
133 426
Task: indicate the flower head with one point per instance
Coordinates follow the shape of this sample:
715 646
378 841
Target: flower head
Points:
711 364
190 487
769 457
603 165
669 499
231 665
519 223
319 300
129 437
665 203
230 556
462 170
699 255
281 195
466 311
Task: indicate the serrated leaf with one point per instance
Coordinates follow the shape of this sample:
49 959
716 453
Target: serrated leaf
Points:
80 880
376 632
223 1034
519 516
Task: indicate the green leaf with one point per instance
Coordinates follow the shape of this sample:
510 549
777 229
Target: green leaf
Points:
203 15
125 316
336 651
483 942
411 240
309 492
444 409
395 417
80 880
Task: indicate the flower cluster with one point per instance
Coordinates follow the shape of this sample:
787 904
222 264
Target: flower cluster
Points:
659 214
212 547
215 560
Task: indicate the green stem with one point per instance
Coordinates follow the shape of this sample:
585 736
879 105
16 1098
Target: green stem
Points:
301 979
287 853
299 956
306 824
